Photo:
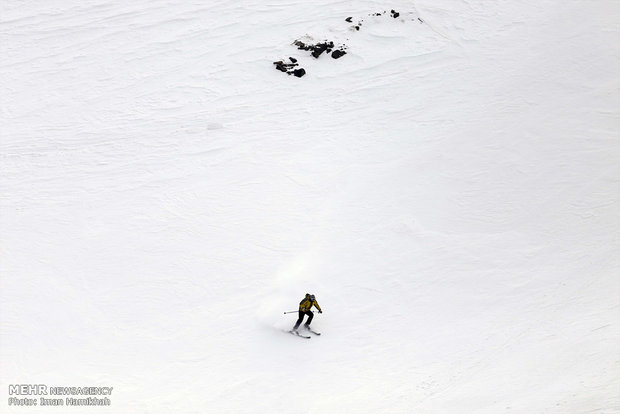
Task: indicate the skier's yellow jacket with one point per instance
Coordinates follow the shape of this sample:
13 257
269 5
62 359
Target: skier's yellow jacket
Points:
307 303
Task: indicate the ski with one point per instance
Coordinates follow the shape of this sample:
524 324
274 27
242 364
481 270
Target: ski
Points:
299 335
314 332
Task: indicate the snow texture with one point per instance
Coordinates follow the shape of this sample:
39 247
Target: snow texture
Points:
448 189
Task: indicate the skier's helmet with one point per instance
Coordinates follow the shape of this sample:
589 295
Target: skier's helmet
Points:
312 298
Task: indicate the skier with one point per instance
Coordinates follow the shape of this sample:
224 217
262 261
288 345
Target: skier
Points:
304 309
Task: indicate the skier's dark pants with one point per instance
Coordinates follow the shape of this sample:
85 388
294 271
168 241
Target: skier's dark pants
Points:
301 318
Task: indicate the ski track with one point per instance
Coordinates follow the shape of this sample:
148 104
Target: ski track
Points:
448 189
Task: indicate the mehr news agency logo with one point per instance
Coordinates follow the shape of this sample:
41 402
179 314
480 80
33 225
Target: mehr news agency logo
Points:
71 396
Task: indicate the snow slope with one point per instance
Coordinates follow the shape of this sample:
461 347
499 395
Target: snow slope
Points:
448 190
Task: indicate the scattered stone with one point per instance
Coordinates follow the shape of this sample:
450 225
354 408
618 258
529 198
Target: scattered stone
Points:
327 47
321 47
281 66
317 49
290 68
356 26
336 54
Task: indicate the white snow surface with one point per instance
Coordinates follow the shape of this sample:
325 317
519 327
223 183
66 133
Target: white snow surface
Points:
448 190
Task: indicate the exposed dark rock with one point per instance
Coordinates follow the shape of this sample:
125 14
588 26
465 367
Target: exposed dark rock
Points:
316 49
319 48
336 54
280 66
327 47
302 46
358 25
289 68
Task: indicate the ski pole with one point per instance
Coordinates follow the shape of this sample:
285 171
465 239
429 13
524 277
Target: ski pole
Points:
290 312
